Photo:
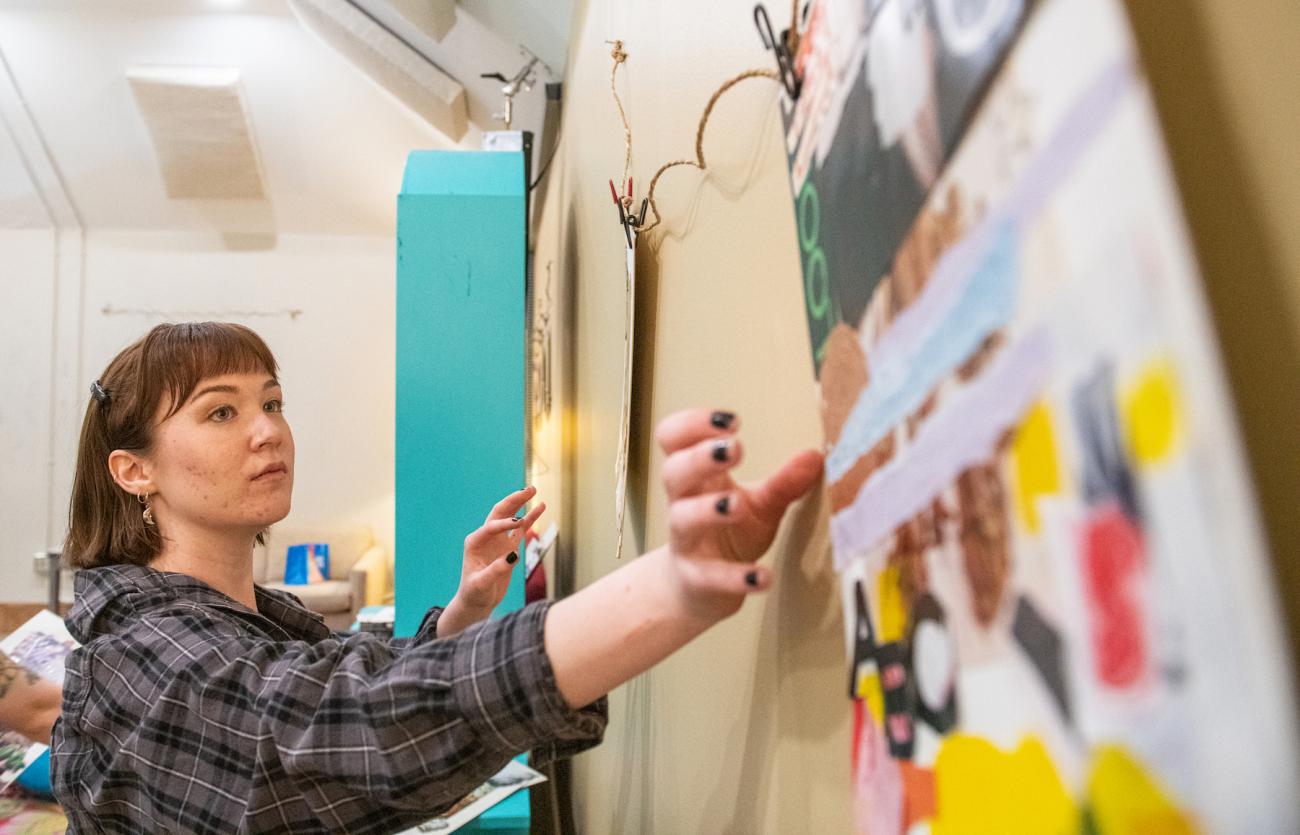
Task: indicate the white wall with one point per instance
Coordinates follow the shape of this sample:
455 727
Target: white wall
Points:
26 316
336 357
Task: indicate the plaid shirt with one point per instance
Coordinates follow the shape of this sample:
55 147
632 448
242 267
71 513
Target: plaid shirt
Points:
184 711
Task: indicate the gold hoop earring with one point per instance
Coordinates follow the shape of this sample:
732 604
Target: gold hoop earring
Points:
143 498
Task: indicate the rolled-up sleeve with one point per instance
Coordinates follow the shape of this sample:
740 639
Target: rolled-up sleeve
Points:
504 683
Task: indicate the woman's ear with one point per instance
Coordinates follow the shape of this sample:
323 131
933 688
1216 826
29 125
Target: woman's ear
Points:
131 472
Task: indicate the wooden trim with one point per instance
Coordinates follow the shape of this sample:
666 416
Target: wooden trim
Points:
14 615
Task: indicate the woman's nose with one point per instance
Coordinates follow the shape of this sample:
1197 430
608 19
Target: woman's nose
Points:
267 430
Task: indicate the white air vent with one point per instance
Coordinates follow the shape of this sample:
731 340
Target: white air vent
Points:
200 131
408 75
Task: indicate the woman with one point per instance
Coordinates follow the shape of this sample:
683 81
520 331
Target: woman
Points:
203 703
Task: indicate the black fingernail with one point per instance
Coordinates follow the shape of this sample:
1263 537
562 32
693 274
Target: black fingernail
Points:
720 450
512 558
724 505
751 579
722 420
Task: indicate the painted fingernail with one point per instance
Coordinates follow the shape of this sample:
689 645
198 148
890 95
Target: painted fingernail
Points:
721 450
723 505
751 579
512 558
722 420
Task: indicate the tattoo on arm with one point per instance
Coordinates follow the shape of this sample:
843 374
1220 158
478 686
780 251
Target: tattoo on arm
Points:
8 674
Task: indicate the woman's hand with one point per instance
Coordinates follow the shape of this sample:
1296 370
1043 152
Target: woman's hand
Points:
490 555
718 528
631 619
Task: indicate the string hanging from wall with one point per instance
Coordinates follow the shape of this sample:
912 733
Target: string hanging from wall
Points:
634 223
201 315
629 304
699 161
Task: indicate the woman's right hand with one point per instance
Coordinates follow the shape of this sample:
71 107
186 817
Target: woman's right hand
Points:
717 527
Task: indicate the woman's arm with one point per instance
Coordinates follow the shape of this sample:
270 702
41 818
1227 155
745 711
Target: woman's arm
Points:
29 704
354 732
633 618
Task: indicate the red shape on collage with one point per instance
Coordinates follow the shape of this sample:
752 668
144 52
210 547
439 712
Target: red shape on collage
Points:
1114 567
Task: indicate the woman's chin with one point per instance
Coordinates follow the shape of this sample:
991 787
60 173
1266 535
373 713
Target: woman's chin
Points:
269 516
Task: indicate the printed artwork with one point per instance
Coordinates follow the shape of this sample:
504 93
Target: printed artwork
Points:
1049 563
41 645
888 87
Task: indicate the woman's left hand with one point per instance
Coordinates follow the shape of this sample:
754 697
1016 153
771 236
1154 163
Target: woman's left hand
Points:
492 551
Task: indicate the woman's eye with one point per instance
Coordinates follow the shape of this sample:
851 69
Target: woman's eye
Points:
222 414
273 406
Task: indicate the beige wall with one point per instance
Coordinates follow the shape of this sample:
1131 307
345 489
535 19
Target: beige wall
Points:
746 730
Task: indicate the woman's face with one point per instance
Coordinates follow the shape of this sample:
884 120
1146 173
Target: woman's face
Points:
225 459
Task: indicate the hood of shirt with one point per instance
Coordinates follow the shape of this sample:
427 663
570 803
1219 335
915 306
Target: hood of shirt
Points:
109 599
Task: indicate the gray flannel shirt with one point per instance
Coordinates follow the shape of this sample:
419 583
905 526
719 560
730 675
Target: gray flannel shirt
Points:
184 711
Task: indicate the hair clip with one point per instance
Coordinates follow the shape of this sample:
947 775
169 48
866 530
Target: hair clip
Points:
100 394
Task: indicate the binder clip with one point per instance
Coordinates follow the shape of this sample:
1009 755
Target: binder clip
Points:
784 59
630 221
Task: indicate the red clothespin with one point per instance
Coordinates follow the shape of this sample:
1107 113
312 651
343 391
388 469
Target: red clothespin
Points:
622 215
638 219
629 222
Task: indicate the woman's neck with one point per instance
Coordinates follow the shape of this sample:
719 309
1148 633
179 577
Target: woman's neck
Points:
223 560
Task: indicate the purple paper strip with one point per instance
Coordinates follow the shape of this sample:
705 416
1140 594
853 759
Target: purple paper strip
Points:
964 433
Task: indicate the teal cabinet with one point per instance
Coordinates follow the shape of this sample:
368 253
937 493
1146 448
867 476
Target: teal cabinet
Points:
460 365
461 261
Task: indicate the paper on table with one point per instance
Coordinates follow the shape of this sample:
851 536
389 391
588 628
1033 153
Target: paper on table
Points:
39 645
504 783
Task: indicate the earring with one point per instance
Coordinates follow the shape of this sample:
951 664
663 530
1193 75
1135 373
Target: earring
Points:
143 498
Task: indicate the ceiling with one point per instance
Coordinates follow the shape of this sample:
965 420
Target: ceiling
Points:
331 143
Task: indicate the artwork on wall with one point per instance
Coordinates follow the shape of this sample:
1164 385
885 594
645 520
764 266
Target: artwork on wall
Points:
1056 599
888 88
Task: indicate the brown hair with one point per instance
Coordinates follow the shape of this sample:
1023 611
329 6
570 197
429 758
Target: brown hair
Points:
105 525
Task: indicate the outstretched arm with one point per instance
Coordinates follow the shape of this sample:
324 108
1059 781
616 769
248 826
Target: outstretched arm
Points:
633 618
29 704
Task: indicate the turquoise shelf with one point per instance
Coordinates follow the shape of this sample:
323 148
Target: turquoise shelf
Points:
461 261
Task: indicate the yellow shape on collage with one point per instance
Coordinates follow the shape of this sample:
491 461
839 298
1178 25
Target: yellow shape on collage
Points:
1152 414
893 612
982 790
1036 463
869 690
1126 800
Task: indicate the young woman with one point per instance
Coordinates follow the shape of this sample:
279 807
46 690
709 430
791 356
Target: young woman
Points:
203 703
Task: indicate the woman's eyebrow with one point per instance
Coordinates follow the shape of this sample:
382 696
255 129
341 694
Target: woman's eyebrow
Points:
210 389
226 389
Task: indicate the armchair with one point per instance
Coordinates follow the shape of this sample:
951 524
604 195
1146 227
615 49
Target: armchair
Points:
359 571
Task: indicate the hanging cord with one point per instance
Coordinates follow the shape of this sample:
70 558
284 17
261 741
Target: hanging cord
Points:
699 161
792 34
620 56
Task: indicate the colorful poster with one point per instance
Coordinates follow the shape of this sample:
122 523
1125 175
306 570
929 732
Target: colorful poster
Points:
888 88
1056 599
